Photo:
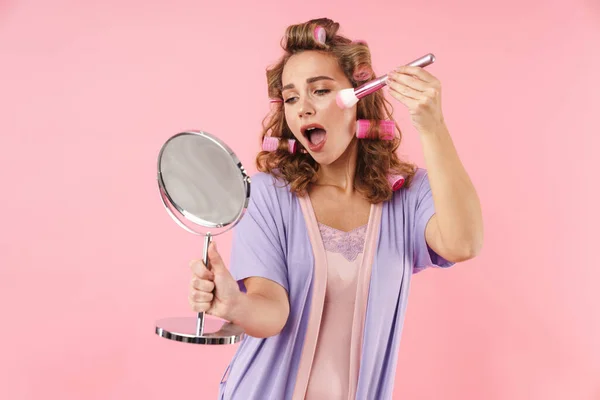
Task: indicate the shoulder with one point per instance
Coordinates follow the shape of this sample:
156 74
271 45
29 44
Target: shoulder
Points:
263 178
266 188
264 182
419 179
418 182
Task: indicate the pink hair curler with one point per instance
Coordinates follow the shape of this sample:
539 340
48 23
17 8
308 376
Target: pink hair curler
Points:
346 98
396 181
273 101
320 34
362 73
386 129
271 143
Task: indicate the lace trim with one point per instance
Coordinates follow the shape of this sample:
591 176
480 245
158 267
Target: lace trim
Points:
349 244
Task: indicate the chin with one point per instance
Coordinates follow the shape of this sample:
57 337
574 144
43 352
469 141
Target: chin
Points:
325 158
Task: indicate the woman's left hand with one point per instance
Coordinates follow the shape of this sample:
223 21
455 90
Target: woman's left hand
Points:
421 93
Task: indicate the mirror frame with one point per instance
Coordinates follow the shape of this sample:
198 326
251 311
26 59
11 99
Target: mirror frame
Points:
169 203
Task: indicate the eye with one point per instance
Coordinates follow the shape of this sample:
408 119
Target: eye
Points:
319 92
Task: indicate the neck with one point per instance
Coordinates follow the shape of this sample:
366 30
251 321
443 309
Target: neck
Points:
341 173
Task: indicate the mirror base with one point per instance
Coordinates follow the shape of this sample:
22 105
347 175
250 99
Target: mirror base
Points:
183 329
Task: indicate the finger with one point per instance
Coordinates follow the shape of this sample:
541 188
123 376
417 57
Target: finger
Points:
199 269
201 297
408 80
200 307
407 101
418 72
404 90
203 285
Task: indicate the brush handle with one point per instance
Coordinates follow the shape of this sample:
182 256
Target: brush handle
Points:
370 87
380 82
423 61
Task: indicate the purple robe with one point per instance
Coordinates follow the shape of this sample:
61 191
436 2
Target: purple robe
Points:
272 241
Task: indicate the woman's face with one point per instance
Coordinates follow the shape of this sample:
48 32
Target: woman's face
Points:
311 80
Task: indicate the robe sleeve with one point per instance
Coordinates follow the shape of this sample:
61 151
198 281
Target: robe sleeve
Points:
424 255
257 248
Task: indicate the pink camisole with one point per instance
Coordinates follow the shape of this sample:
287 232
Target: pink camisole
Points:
330 372
330 360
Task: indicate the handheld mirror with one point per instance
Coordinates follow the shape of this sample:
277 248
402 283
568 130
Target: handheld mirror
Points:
206 190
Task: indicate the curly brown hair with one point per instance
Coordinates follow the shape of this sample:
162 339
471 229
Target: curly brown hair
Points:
376 158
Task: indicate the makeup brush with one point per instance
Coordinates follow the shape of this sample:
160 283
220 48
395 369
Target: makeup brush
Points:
346 98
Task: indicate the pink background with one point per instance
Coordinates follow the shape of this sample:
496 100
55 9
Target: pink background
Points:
89 260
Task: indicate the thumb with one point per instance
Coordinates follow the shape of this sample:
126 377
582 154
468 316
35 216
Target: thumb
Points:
214 258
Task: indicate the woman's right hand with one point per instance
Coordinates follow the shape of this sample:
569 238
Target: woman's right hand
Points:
214 291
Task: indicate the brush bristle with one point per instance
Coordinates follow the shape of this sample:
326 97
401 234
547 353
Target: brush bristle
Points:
346 98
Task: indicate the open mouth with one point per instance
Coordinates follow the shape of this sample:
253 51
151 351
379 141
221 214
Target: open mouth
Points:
315 134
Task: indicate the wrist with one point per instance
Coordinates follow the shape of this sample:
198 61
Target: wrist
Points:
236 307
438 130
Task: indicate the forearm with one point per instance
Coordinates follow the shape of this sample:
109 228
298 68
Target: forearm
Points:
458 210
259 316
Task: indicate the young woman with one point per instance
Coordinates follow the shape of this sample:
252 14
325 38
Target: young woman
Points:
322 260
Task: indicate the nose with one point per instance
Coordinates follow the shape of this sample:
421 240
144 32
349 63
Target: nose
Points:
306 108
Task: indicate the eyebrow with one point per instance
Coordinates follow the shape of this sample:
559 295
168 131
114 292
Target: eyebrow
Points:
309 80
